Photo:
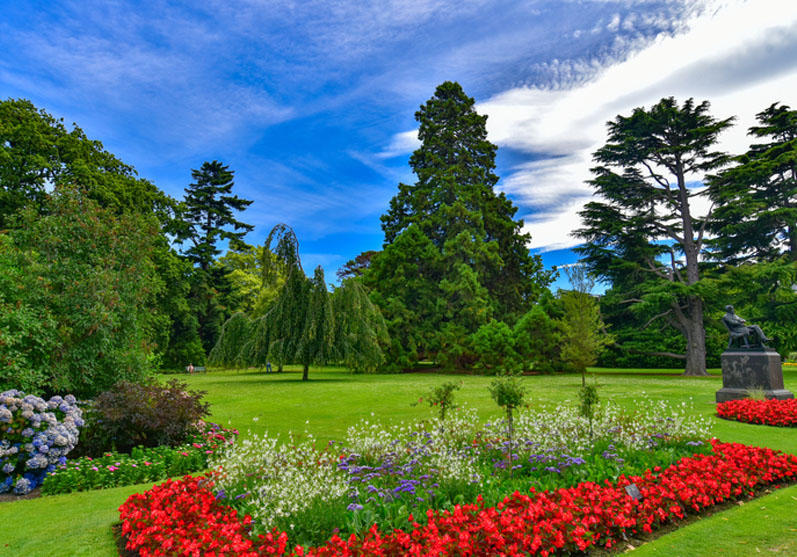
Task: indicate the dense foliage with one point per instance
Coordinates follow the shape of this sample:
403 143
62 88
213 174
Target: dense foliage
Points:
453 256
77 291
35 436
147 414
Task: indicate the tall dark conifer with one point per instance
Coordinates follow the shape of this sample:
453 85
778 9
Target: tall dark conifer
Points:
479 264
641 176
208 214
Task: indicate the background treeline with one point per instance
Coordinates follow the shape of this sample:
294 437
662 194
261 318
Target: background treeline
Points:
104 277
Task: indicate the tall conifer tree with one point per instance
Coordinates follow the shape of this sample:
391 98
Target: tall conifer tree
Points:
641 175
479 264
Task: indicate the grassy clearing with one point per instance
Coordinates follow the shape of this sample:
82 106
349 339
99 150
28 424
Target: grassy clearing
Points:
79 524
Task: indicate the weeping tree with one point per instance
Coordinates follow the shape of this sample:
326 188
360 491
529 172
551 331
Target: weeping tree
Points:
234 335
360 331
315 343
304 325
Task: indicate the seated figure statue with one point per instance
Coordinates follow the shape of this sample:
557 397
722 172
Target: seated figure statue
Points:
739 329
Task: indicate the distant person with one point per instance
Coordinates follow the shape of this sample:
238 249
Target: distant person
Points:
190 368
268 367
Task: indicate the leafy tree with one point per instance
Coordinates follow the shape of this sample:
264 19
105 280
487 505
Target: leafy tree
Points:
642 177
494 347
252 291
409 301
315 345
85 298
38 152
756 213
208 213
360 331
537 340
583 331
357 266
472 248
228 351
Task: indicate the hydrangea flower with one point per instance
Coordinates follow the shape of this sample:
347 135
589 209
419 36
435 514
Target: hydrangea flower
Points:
51 431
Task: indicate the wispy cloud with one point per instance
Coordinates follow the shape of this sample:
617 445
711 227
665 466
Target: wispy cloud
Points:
742 56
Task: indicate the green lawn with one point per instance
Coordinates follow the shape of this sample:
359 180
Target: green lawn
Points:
254 402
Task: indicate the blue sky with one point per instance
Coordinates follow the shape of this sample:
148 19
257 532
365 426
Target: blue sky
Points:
312 102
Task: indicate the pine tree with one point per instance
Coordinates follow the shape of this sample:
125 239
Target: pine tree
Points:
642 176
208 213
756 214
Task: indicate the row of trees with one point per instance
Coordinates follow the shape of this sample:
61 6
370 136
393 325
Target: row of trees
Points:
103 275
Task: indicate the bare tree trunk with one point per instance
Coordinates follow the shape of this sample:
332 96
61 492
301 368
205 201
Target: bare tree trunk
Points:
695 339
305 371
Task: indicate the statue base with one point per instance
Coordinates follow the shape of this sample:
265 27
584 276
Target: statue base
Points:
743 371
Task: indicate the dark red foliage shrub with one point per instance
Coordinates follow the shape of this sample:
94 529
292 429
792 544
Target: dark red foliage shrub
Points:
767 412
146 414
183 518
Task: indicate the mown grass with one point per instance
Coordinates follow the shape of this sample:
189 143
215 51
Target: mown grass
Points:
255 403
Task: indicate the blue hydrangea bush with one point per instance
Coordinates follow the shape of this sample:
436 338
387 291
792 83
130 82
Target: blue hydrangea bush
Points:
35 436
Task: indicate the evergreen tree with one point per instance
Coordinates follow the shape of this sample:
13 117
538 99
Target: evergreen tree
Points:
477 263
642 176
208 213
756 214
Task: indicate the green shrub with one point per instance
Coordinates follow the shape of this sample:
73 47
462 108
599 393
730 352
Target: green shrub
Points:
141 414
494 346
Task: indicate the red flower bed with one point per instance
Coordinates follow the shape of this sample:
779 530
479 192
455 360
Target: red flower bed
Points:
767 412
183 518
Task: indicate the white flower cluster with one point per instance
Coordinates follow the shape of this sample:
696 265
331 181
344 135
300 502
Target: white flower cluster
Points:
32 439
278 479
563 428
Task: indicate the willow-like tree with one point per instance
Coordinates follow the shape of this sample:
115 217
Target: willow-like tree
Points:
641 175
360 331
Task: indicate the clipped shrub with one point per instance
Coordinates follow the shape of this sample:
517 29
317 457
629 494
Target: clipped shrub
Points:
34 436
142 414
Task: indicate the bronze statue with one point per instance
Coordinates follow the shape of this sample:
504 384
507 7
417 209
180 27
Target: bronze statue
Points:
739 329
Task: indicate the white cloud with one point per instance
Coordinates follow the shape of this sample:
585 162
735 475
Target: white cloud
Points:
741 56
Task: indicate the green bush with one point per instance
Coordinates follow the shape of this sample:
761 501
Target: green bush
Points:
494 346
141 414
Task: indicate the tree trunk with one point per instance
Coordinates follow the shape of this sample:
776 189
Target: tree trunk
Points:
695 339
305 370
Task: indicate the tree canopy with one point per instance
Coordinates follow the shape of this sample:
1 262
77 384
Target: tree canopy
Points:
644 233
756 214
451 237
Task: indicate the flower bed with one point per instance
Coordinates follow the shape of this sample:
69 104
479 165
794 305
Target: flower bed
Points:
184 517
141 465
768 412
380 474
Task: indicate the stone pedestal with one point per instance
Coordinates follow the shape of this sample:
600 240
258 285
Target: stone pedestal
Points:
745 370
